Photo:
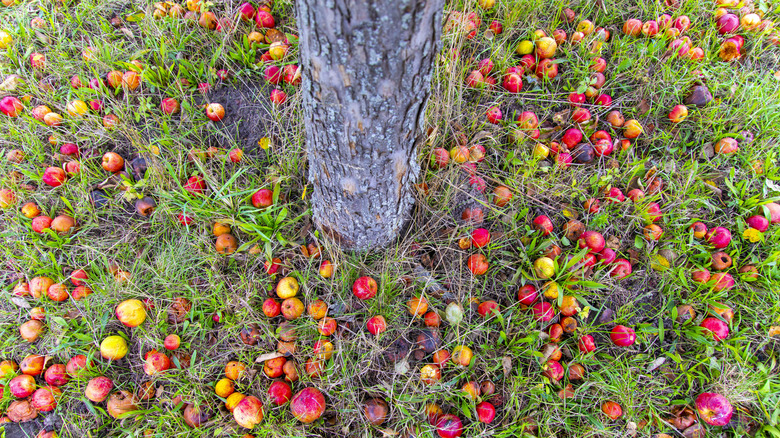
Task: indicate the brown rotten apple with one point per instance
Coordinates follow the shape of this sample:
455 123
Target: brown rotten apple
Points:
121 404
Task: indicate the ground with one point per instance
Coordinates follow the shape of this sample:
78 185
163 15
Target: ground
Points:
671 363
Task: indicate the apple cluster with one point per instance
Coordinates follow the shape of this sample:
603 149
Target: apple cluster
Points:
733 17
30 396
669 28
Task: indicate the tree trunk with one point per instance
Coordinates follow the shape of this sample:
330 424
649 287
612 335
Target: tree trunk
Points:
366 69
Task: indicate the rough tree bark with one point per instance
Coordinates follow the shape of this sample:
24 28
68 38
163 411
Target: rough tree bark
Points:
366 69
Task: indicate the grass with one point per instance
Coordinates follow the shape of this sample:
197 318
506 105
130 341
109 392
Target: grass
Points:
669 366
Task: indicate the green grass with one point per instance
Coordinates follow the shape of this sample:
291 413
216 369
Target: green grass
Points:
168 260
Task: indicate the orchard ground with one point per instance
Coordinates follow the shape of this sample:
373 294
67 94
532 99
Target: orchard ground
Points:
668 367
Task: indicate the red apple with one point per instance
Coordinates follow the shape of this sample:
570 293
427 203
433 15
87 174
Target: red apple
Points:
726 146
494 115
719 237
612 410
440 158
56 375
486 412
280 392
527 295
546 69
621 270
632 27
718 328
760 223
247 11
572 137
235 155
98 389
248 412
22 386
678 113
496 27
278 96
543 311
614 196
606 256
291 74
727 23
714 408
364 288
577 99
264 19
449 426
543 224
592 240
552 370
273 74
215 112
195 185
43 399
112 162
307 405
263 198
170 106
513 83
487 308
54 176
650 28
586 344
622 336
271 307
480 237
376 325
774 212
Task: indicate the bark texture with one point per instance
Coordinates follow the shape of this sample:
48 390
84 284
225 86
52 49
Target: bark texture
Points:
366 69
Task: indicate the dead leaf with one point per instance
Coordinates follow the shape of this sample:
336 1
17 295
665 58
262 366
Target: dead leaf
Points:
642 107
274 36
268 356
506 362
21 302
